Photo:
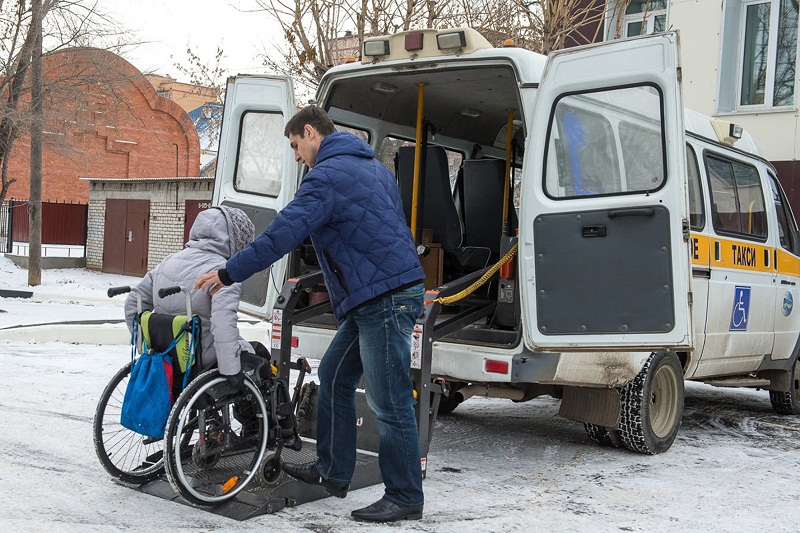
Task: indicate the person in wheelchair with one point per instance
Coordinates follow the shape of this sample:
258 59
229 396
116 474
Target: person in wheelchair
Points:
216 235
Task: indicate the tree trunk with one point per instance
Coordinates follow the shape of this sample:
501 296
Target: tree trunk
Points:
35 206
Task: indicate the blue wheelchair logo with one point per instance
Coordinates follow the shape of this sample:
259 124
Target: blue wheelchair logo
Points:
741 309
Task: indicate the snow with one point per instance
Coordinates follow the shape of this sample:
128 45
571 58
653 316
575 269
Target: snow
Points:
494 465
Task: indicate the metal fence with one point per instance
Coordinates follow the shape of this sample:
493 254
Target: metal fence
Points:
62 224
5 227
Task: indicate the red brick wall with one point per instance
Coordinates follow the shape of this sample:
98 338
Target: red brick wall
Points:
103 119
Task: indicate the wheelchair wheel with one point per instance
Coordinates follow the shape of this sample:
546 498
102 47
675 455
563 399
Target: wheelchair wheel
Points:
216 439
125 454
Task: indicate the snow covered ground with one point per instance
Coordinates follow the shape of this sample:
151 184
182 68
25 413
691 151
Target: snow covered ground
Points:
493 466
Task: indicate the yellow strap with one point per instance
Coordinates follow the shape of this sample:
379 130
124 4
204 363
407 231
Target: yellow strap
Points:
483 279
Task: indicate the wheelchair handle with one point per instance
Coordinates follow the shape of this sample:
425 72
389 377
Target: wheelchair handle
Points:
163 293
167 291
114 291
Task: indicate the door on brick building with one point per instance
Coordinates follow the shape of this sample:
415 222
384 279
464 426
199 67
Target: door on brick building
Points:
127 226
193 208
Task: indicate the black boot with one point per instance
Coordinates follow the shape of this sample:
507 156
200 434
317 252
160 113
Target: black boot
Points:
386 511
308 473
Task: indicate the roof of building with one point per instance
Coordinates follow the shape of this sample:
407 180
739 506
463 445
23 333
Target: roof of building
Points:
207 121
141 180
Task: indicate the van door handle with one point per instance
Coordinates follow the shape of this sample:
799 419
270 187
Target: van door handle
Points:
594 231
635 212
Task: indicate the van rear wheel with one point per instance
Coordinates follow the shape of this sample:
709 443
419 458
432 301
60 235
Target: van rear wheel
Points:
788 402
604 436
651 405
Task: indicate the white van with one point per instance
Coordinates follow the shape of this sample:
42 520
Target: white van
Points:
655 245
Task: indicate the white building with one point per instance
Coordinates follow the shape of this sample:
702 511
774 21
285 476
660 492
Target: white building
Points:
739 61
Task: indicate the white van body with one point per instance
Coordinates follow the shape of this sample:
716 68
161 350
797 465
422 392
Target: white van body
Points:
655 245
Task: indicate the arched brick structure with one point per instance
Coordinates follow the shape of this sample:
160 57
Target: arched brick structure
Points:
103 119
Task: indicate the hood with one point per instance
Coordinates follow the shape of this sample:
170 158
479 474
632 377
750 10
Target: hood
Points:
342 143
222 230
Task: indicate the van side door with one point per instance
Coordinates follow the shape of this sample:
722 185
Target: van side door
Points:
741 294
787 267
604 230
256 171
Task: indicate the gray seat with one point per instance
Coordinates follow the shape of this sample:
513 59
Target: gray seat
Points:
438 211
481 191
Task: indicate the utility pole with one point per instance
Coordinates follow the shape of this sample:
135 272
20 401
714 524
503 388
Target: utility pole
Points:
35 206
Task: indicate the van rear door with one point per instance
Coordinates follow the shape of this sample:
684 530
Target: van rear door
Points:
603 231
256 171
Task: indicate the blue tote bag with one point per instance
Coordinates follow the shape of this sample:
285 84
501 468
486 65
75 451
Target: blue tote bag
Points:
146 406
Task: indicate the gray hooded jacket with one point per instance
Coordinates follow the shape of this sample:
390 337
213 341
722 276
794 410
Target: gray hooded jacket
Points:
216 235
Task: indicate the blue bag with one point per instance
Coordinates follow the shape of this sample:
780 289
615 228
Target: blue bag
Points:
146 406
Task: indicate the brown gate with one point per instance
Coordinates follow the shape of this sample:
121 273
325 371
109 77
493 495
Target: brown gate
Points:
127 226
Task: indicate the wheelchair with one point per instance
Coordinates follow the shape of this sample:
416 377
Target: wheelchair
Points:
218 439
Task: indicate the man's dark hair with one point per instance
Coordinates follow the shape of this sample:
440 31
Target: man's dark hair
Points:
312 115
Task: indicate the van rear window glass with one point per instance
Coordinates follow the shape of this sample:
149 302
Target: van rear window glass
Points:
605 142
259 163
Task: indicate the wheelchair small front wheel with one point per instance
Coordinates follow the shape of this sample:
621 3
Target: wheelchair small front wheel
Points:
125 454
216 439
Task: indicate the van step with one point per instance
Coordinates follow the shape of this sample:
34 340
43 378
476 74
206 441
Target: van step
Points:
739 382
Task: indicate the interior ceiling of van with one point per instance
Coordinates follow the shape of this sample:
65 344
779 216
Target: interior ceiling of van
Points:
468 104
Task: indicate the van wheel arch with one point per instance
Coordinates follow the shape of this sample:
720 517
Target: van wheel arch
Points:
788 402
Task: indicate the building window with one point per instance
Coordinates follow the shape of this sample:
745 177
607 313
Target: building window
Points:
768 53
628 18
645 16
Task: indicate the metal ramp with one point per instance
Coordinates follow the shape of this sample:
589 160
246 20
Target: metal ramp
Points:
267 497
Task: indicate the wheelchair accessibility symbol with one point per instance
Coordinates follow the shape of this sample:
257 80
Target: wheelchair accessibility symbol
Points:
741 309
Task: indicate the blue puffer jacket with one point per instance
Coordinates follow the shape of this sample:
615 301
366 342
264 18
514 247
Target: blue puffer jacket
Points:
350 205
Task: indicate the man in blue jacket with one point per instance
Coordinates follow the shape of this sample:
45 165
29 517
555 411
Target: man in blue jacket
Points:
349 204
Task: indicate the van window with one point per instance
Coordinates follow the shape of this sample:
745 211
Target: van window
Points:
259 163
390 145
736 198
589 132
363 134
641 153
787 227
697 215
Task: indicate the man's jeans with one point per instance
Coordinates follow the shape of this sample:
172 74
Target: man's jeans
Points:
374 340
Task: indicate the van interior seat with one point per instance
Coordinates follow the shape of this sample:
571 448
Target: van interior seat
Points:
438 211
480 192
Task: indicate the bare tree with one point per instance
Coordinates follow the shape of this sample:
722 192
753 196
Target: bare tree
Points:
65 24
310 27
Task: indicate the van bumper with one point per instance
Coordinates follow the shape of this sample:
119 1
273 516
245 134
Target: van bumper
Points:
468 363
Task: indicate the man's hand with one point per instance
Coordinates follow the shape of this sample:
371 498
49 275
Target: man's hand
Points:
210 280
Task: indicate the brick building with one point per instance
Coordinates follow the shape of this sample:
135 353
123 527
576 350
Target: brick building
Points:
103 118
186 95
134 223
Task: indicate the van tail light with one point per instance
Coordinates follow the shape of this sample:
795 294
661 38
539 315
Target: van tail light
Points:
295 342
496 367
